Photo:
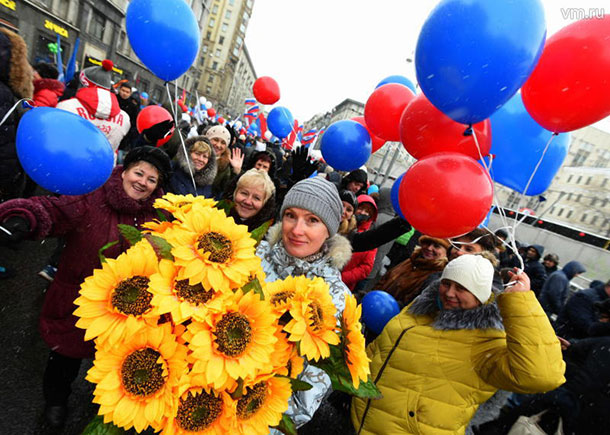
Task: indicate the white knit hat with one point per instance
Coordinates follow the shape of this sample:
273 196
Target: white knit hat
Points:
220 132
474 272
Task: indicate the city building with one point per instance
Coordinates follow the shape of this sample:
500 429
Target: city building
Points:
241 86
223 35
580 193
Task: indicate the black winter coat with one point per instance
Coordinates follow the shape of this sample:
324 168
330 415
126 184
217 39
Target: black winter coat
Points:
535 271
578 314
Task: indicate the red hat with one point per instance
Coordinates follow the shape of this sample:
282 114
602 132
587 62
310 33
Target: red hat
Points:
100 76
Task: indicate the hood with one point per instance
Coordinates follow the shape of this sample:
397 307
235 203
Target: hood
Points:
255 157
384 204
15 71
539 249
572 268
366 199
99 102
486 316
203 177
51 84
339 248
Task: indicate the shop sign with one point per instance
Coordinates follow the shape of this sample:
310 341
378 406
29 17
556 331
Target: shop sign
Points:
55 28
9 4
94 61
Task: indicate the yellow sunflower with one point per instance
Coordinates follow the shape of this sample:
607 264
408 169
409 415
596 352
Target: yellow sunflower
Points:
354 348
262 406
281 293
313 320
200 410
173 203
137 380
157 227
115 301
286 360
180 298
235 343
213 250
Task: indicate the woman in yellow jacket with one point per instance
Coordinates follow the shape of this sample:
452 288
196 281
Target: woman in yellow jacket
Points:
453 348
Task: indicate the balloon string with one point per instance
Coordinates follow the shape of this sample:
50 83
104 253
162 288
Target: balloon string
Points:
186 156
12 109
510 229
532 176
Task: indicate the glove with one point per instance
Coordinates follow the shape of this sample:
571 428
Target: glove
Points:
159 131
302 165
18 228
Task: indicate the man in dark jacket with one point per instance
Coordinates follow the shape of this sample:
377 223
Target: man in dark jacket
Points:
132 107
534 268
550 263
355 181
556 288
579 313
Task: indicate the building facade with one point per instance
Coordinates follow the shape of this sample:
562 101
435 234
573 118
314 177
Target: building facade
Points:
100 27
223 35
241 86
580 193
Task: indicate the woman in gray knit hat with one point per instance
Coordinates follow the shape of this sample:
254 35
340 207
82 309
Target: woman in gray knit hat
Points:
305 242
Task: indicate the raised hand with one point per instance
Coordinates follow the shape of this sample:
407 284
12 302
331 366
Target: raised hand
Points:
236 160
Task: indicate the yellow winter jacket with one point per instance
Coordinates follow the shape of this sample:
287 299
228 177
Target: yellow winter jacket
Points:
435 367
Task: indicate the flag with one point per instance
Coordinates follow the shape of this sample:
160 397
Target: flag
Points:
309 137
251 114
71 68
249 102
288 142
262 123
60 65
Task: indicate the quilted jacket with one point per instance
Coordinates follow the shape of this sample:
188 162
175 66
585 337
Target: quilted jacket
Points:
435 367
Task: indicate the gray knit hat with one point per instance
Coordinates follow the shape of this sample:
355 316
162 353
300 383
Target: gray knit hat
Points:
318 196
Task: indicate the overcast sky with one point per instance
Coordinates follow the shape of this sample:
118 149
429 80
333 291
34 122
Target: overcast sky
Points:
321 52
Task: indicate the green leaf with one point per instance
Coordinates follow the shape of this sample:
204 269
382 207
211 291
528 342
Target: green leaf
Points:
161 246
338 372
225 205
255 286
286 426
100 252
98 427
131 234
258 233
161 215
298 385
239 390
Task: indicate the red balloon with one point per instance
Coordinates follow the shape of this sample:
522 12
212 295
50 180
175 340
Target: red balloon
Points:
570 86
150 116
384 108
221 120
445 195
211 112
266 90
426 130
376 141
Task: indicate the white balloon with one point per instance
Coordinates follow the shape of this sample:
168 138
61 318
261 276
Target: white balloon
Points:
268 135
202 100
237 124
208 104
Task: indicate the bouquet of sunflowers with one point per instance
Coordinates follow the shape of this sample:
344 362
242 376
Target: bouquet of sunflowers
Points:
190 339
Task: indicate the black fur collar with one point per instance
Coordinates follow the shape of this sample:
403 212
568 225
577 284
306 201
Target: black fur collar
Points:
486 316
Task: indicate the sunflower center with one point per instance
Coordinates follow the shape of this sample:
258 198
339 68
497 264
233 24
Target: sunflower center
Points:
197 412
316 315
281 297
233 334
219 246
252 401
130 297
194 294
142 373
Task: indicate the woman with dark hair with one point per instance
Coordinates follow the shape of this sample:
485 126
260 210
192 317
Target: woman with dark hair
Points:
87 222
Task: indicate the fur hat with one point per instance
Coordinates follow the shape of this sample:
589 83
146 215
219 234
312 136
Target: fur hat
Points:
349 197
155 156
218 131
442 242
15 70
318 196
474 272
100 76
358 175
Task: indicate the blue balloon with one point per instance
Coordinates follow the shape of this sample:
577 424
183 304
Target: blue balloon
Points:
397 79
394 196
473 55
373 188
63 152
164 34
378 307
346 145
280 122
485 222
517 143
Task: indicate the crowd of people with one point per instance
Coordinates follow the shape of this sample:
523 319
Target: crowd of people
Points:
472 324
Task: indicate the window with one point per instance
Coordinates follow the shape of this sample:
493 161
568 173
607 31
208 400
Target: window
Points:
143 86
584 150
579 179
215 9
242 28
569 214
603 161
569 196
211 79
63 9
593 201
560 212
120 46
202 61
583 217
232 2
208 89
214 66
570 178
156 95
221 40
249 3
594 220
224 27
204 49
588 181
236 51
238 41
96 25
218 52
578 197
604 182
212 22
228 15
208 35
245 17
